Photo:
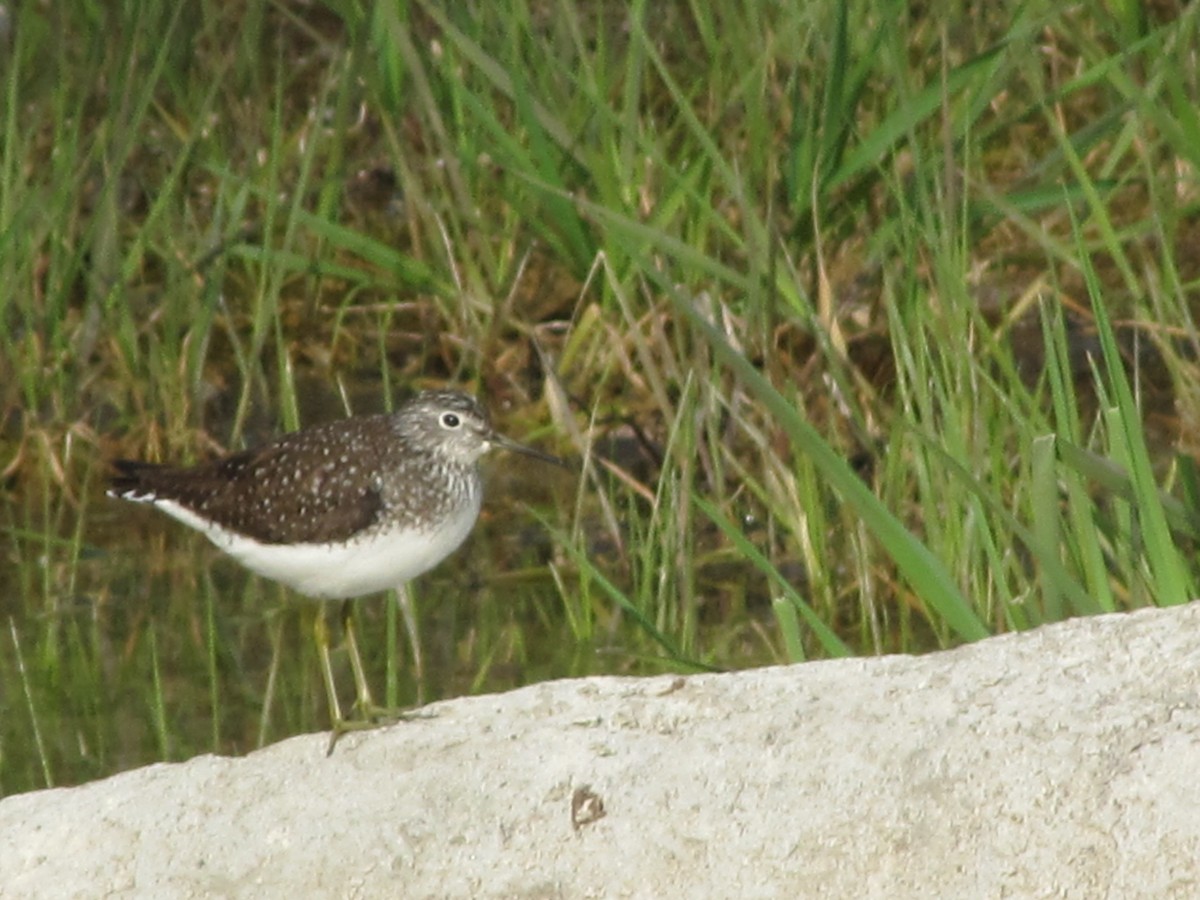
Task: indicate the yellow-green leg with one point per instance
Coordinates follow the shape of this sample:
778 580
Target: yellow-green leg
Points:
414 640
364 705
362 690
321 635
367 714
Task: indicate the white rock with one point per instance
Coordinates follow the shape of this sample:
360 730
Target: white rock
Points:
1062 762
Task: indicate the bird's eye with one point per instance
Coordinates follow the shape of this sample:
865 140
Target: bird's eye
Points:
450 420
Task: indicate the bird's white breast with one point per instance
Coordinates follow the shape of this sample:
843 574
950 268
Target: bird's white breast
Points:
375 561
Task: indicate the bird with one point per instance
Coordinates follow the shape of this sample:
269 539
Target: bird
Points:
339 510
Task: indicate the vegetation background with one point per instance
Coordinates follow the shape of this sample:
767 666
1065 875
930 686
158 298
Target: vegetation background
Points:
869 325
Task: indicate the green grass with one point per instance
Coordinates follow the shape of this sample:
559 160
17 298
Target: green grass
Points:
871 332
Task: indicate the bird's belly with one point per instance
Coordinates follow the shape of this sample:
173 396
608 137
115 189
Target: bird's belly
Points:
375 561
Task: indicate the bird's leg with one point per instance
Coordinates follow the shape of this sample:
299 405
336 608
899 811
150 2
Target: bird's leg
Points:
414 639
364 705
321 634
370 715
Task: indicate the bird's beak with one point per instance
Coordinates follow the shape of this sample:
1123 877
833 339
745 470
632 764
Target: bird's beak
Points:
509 444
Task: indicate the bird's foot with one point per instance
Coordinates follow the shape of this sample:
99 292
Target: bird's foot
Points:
368 716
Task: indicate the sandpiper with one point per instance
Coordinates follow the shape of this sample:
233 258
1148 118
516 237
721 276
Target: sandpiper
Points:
339 510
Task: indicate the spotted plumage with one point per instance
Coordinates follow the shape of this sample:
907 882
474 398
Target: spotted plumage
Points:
341 509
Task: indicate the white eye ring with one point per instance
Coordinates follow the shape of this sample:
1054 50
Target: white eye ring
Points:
450 420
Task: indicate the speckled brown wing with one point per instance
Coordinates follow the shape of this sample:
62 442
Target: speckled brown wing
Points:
298 489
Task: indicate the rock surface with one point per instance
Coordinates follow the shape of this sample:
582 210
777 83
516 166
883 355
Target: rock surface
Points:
1061 762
